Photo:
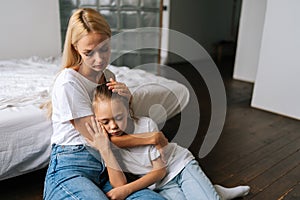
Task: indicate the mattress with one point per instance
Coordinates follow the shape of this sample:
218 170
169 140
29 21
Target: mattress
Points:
25 130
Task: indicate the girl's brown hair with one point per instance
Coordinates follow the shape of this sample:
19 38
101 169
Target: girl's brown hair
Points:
102 93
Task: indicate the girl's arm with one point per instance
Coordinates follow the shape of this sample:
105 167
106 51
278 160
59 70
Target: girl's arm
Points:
127 140
132 140
100 140
156 174
153 138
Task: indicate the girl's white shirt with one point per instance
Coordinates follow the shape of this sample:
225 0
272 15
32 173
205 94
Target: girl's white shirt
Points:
138 160
72 95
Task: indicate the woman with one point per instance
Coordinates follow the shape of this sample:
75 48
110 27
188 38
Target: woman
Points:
73 171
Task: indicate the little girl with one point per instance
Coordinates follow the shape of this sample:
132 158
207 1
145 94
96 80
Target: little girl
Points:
175 175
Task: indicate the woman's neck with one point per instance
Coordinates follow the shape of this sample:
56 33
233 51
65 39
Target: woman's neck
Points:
91 74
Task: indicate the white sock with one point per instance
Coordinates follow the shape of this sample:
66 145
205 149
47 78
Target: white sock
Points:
231 193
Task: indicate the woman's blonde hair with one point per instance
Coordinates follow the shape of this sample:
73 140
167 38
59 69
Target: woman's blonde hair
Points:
82 22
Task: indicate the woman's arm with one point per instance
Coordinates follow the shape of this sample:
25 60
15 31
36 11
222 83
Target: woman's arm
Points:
100 140
80 126
156 174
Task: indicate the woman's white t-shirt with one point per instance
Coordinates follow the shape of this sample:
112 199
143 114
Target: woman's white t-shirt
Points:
72 95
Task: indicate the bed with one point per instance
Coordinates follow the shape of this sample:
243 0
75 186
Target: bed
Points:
25 130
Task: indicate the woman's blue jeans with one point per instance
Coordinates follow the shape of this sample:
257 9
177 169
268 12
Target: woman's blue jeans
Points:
190 184
74 173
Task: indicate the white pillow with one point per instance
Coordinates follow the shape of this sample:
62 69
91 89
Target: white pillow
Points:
153 96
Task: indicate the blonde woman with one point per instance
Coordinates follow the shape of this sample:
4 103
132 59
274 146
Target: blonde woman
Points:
73 171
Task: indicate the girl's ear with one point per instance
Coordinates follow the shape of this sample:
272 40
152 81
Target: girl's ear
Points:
131 113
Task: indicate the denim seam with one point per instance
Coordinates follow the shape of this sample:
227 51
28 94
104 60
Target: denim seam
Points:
202 173
68 192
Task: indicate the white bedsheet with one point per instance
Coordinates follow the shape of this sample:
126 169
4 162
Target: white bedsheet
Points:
24 130
25 140
26 81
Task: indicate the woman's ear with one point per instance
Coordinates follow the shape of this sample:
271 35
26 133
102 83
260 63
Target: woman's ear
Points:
75 47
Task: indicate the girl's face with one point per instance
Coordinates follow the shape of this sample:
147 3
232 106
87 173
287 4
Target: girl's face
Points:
94 49
112 114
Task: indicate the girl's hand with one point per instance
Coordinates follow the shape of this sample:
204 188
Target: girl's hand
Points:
119 88
118 193
99 136
160 141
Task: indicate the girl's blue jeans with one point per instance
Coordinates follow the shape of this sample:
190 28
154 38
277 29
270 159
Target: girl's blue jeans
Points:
190 184
74 173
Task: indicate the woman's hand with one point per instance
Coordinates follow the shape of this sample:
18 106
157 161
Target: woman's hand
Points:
119 88
100 139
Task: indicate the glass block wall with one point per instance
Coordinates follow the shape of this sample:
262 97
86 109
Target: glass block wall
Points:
123 15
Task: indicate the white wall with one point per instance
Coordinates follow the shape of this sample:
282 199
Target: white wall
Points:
276 87
28 28
165 35
249 39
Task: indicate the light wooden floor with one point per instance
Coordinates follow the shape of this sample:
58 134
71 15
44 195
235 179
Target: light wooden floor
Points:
256 148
